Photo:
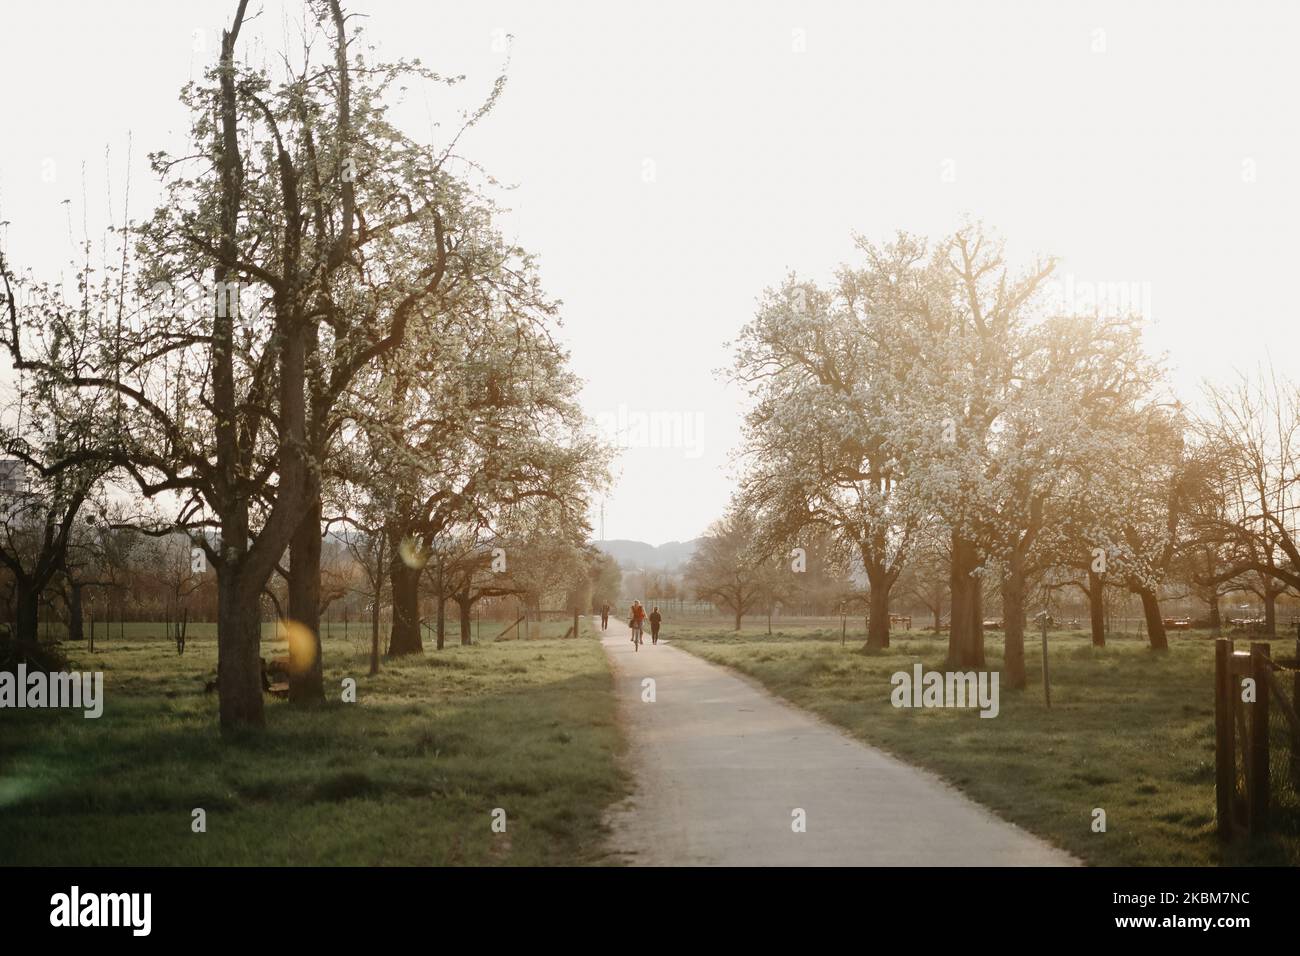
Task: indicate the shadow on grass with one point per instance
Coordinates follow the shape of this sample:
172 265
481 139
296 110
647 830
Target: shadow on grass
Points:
409 774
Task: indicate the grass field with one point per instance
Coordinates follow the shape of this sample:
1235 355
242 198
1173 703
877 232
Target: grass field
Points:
410 774
1129 731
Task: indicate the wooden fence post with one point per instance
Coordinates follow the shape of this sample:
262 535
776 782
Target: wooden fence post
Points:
1259 668
1047 676
575 622
1225 773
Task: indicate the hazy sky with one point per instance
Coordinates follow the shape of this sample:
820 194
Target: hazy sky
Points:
673 158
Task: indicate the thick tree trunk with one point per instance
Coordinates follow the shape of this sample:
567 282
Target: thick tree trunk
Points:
1013 623
1155 623
1097 608
405 581
878 622
239 642
966 635
306 670
76 631
239 636
1270 613
27 603
738 616
1216 617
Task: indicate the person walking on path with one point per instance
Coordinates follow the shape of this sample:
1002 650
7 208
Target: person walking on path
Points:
604 616
637 623
655 619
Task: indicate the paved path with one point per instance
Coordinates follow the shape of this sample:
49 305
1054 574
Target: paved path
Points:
721 764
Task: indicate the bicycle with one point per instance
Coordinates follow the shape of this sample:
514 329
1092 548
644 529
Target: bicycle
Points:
636 637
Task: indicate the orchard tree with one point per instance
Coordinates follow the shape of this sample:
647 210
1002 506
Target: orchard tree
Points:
820 437
964 315
50 470
1138 527
1254 428
298 236
473 429
1056 436
726 567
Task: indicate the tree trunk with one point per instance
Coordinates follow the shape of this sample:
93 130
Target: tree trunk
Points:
1013 623
1270 612
966 634
239 632
374 610
1097 608
405 637
374 646
380 545
374 628
466 609
27 602
878 622
1155 623
1216 618
306 670
239 642
442 615
738 616
76 632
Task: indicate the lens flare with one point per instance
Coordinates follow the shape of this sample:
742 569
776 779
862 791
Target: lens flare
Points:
413 553
302 645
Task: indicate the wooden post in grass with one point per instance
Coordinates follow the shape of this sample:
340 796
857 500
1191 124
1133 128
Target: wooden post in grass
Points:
1259 668
1047 677
575 622
92 633
1225 770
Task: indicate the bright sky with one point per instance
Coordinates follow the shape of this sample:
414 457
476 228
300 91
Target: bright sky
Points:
674 158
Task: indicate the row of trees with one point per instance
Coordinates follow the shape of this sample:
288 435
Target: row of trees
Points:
928 410
319 328
116 574
734 569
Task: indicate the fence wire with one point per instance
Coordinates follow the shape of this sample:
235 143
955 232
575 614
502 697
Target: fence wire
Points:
1283 756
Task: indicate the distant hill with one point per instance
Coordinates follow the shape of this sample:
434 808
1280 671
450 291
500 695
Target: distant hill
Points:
638 554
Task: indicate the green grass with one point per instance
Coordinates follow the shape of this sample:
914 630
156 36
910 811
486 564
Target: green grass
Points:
410 774
1130 731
